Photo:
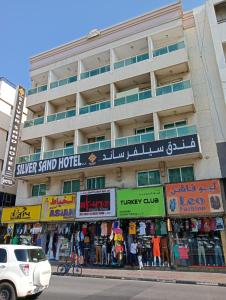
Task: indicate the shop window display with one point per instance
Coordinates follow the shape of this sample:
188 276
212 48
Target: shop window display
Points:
197 242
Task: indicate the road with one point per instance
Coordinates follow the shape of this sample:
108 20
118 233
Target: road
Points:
65 288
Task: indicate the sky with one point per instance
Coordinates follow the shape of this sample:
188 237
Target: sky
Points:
29 27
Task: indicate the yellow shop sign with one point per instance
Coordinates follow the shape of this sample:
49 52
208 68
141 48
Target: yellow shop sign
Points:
58 208
21 214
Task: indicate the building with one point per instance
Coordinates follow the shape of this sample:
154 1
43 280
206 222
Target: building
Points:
7 96
125 116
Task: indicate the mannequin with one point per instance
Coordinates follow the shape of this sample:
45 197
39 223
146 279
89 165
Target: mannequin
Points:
218 252
165 250
156 249
201 252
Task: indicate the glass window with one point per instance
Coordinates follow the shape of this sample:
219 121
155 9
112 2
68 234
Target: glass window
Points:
95 183
71 186
175 124
181 174
30 255
69 145
144 130
3 256
96 139
148 178
39 190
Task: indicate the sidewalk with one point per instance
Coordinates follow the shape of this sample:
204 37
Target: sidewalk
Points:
197 278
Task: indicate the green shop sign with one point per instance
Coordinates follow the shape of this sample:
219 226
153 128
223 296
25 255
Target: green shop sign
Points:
140 202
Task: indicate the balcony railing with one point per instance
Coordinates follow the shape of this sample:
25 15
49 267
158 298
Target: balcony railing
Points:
61 82
133 98
135 139
131 60
95 107
168 49
61 115
94 146
29 158
95 72
59 152
34 122
174 87
177 131
38 89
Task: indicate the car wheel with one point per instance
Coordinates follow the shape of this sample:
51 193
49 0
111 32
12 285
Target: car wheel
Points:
33 297
7 291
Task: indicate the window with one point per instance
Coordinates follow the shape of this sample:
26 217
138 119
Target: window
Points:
175 124
144 130
148 178
220 11
69 145
181 174
95 183
30 255
71 186
39 189
96 139
37 150
3 256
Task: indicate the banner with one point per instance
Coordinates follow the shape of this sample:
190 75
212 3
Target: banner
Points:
58 208
155 149
194 198
96 204
140 202
13 138
21 214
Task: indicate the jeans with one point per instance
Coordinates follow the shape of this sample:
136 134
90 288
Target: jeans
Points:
218 256
141 266
104 254
133 258
201 254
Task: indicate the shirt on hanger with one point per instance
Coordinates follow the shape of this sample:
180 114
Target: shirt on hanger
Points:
132 228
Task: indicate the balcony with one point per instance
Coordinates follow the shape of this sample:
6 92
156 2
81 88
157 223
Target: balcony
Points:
29 158
95 72
61 82
174 87
34 122
177 132
59 152
168 49
135 139
131 60
38 89
133 98
94 146
95 107
61 115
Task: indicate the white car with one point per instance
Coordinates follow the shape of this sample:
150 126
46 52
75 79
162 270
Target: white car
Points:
24 271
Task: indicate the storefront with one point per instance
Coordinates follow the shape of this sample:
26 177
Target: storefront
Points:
141 212
95 219
23 225
58 220
196 226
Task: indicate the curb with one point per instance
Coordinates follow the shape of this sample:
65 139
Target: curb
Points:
172 281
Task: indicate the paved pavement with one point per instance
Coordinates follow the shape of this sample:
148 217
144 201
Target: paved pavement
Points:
74 288
200 278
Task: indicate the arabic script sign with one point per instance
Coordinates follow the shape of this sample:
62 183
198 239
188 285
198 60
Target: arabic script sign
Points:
198 197
140 202
96 203
161 148
58 208
21 214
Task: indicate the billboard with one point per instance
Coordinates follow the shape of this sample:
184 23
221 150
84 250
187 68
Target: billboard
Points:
150 150
96 204
140 202
194 198
58 208
21 214
13 138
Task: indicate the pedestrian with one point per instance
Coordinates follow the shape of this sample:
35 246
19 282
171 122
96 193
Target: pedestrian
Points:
139 255
133 253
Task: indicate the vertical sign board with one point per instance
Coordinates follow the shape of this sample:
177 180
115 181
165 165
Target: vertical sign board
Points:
13 138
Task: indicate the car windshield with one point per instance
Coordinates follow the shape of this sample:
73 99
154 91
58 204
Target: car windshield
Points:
30 255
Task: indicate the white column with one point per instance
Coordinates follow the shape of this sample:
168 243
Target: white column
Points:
112 93
153 84
156 122
150 47
112 58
